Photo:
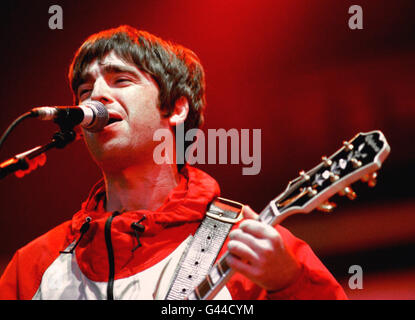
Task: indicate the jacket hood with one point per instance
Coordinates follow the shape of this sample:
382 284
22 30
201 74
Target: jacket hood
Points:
184 208
187 202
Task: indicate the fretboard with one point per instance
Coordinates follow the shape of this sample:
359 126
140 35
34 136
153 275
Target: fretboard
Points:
220 273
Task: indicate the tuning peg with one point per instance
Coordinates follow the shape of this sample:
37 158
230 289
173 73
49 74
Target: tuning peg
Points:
334 177
327 162
304 175
311 192
370 179
349 193
348 146
356 163
326 206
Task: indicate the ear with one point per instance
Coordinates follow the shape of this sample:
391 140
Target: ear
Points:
180 112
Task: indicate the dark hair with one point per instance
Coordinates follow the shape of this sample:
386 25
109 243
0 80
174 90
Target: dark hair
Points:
176 69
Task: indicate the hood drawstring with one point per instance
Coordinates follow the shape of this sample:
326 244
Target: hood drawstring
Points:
83 230
137 227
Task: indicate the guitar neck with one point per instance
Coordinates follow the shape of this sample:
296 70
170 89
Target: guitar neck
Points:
359 158
220 273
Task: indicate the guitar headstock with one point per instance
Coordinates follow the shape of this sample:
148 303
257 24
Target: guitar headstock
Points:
359 158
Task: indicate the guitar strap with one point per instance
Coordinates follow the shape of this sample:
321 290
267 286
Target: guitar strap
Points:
205 246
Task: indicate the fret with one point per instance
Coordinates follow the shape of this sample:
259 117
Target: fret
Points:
203 288
222 265
271 215
213 282
215 274
266 216
193 295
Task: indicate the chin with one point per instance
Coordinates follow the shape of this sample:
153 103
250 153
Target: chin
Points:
116 153
119 159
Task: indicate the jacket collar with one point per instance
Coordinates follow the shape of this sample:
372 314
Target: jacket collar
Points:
187 202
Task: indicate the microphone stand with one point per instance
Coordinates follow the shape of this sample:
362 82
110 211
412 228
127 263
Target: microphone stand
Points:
60 140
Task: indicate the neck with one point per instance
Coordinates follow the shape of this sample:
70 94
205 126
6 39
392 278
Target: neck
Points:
140 187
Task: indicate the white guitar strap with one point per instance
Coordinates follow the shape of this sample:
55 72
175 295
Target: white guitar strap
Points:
203 250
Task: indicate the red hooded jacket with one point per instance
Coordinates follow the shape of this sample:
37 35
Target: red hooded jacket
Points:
103 263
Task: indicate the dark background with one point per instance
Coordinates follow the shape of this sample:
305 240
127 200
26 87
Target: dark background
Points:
293 69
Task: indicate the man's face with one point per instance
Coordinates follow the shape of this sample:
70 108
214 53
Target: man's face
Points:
132 98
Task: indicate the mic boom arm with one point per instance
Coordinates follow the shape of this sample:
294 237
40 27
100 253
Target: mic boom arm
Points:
91 115
21 161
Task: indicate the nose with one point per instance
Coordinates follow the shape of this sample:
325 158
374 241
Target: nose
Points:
101 91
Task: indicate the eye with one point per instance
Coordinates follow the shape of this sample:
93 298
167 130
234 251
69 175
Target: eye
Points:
83 93
121 80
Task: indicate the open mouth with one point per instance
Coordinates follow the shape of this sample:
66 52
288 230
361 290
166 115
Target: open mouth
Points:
114 118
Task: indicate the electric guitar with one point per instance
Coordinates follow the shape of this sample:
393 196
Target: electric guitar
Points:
359 158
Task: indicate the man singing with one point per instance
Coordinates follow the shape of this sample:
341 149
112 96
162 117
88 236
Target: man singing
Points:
131 232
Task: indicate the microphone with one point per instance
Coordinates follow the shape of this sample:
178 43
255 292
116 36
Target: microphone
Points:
91 115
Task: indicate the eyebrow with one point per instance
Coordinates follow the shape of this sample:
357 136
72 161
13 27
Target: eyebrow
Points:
108 69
